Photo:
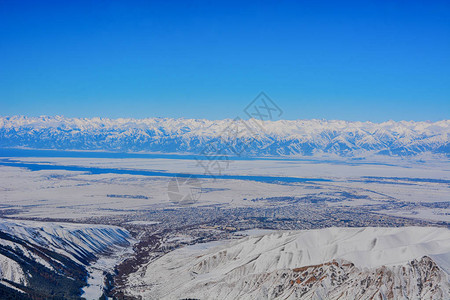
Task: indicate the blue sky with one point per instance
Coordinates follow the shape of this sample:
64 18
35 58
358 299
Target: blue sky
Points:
362 60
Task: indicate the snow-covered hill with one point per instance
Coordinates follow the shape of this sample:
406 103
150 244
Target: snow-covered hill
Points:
37 256
299 137
332 263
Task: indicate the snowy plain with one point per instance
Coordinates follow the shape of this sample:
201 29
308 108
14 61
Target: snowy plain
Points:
74 194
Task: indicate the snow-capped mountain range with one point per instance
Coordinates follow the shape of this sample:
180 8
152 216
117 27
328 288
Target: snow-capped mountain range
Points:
331 263
234 137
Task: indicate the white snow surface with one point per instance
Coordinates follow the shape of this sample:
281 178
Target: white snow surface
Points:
199 271
11 270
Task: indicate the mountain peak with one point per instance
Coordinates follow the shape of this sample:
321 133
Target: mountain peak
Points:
268 138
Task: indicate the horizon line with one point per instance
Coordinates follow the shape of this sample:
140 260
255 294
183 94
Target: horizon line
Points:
215 120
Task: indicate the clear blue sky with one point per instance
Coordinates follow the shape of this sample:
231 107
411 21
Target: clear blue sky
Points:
362 60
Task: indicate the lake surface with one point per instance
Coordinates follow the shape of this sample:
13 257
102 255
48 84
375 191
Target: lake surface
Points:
93 170
14 152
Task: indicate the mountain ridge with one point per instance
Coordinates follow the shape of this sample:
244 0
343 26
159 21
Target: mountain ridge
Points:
328 263
228 136
54 260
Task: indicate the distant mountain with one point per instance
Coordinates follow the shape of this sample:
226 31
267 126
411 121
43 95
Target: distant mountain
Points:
234 137
331 263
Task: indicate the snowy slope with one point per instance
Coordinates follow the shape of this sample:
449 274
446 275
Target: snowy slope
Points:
32 252
354 263
297 137
80 242
11 270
